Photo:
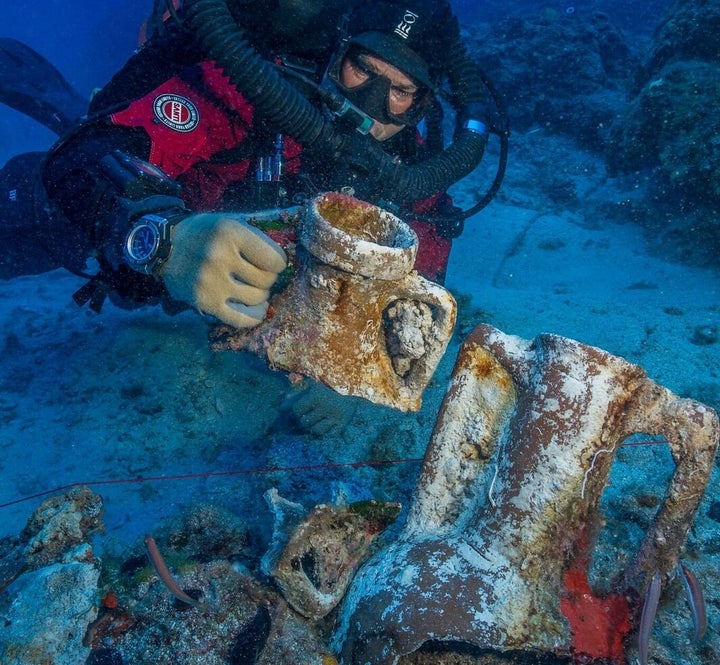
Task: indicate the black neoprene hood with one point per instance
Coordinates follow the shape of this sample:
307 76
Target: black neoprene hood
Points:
413 35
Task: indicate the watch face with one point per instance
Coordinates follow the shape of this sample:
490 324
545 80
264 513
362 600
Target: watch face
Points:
142 243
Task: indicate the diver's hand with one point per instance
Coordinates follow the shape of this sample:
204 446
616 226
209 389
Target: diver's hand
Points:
224 267
320 411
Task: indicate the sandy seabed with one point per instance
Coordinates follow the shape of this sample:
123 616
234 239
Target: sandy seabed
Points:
120 397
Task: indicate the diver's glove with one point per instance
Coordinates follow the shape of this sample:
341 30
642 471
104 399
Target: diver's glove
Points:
223 267
319 410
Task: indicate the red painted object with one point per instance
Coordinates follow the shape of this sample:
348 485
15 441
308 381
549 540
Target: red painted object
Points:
599 624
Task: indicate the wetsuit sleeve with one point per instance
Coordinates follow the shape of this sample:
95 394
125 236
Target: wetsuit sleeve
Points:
87 217
90 217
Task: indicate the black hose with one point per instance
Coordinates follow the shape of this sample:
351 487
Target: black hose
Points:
224 41
436 174
465 77
173 12
434 134
255 78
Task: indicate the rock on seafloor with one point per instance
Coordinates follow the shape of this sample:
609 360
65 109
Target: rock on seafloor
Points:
47 611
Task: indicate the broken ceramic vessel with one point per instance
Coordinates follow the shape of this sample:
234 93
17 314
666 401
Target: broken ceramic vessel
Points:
355 315
498 539
314 556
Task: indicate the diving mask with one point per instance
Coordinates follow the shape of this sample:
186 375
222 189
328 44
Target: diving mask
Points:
382 99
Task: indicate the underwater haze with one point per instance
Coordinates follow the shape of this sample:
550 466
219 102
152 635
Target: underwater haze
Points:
636 18
605 230
87 42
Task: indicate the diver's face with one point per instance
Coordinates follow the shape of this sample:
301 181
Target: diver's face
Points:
402 91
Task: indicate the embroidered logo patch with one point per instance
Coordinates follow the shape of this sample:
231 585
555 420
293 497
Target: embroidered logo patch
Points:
407 22
177 112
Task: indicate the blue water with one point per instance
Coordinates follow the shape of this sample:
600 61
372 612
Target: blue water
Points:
138 404
89 41
86 41
637 18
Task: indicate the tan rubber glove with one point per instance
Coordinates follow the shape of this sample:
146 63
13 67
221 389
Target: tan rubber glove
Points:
224 267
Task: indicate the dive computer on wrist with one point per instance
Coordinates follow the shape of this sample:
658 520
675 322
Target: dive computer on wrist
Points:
149 240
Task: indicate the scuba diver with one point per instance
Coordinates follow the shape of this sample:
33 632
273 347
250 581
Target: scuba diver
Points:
244 105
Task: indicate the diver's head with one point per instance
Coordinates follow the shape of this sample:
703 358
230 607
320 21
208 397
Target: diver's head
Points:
391 62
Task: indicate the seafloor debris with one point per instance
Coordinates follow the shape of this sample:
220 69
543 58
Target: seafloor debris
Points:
322 550
496 548
49 598
242 620
493 555
241 616
60 524
355 316
409 325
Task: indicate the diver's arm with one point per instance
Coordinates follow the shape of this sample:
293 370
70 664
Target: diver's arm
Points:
129 215
74 182
91 213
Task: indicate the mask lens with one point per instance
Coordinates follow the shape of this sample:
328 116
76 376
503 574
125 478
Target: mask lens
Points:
376 94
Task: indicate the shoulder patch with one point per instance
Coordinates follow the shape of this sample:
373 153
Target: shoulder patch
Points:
176 112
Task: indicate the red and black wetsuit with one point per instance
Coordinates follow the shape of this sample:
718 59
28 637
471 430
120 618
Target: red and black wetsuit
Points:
170 107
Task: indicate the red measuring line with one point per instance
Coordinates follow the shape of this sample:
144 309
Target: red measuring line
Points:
247 472
209 474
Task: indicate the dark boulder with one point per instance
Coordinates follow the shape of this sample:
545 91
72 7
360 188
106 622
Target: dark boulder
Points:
556 71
